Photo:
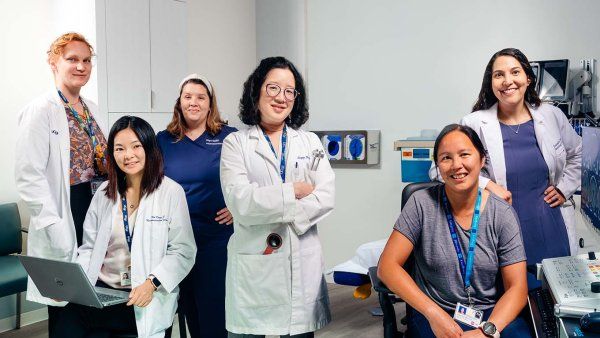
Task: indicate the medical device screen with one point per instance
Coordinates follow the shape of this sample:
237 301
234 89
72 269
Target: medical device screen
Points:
553 79
590 176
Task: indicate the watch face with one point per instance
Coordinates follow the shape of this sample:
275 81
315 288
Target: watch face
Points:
489 328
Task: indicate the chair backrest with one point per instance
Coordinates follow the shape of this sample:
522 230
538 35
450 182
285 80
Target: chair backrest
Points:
10 229
406 193
413 187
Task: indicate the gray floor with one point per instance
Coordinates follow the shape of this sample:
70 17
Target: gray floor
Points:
351 318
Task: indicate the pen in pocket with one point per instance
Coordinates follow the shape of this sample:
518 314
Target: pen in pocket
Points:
296 172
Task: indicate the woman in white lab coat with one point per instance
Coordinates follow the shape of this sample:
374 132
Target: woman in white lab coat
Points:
535 156
278 186
59 157
137 236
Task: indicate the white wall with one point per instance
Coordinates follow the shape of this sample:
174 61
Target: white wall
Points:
28 28
281 30
222 46
403 66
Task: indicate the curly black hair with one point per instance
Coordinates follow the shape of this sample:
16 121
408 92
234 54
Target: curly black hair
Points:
249 112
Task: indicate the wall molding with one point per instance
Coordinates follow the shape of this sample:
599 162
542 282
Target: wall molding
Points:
27 318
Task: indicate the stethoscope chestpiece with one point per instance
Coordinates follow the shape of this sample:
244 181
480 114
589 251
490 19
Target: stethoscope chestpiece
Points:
274 242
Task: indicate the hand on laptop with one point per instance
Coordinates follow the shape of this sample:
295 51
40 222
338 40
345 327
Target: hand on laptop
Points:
142 295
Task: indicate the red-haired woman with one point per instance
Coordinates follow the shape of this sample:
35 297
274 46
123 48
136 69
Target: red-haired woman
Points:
59 159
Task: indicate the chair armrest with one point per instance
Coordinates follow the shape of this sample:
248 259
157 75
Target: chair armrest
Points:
377 283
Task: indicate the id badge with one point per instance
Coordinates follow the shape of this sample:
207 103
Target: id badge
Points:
95 183
125 277
467 315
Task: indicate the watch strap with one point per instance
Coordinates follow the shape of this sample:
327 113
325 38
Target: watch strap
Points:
155 282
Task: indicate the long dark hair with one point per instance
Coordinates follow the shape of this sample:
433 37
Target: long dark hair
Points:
468 131
153 168
249 113
486 97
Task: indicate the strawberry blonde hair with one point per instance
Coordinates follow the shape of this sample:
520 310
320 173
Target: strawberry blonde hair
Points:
58 46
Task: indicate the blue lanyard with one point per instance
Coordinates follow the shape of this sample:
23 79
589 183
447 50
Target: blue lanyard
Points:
128 235
283 145
86 125
465 269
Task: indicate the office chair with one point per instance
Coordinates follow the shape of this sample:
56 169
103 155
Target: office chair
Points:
13 277
387 299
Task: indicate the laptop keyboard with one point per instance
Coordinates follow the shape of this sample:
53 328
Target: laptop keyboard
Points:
104 298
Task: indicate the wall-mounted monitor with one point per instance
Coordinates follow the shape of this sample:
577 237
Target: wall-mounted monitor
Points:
552 79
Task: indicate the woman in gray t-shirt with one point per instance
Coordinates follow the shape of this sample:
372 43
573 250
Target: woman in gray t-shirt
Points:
437 238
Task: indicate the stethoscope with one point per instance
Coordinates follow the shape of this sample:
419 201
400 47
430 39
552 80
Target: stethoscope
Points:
274 242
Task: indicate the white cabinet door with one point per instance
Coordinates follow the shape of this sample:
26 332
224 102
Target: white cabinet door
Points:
127 53
168 36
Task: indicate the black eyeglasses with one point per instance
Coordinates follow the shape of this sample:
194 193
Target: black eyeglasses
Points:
273 90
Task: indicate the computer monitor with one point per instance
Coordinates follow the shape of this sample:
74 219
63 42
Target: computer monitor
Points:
590 176
553 79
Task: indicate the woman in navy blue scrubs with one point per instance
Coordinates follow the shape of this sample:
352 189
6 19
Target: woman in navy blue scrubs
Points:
191 147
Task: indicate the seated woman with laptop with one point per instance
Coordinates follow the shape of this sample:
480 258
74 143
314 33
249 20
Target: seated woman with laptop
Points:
137 237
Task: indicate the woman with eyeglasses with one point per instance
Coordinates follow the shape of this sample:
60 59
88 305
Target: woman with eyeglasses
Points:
278 185
60 159
191 149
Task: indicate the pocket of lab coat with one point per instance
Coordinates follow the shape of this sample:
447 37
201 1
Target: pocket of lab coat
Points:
158 315
262 280
560 154
59 240
160 238
312 275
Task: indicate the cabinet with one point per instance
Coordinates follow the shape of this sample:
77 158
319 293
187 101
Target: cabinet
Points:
141 54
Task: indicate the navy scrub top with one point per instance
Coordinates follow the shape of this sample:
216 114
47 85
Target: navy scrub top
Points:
194 164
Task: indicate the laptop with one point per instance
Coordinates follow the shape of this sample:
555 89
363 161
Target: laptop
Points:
68 282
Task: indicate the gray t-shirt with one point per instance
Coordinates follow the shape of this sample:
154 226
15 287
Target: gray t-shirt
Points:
437 271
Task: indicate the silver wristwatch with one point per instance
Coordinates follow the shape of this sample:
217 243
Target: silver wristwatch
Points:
489 329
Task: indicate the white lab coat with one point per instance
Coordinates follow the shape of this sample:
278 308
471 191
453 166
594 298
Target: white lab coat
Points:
163 245
42 179
560 146
284 292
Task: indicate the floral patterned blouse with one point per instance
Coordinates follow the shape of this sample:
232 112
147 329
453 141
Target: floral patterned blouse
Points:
82 168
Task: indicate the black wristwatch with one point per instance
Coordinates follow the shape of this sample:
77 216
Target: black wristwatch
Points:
155 282
489 329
